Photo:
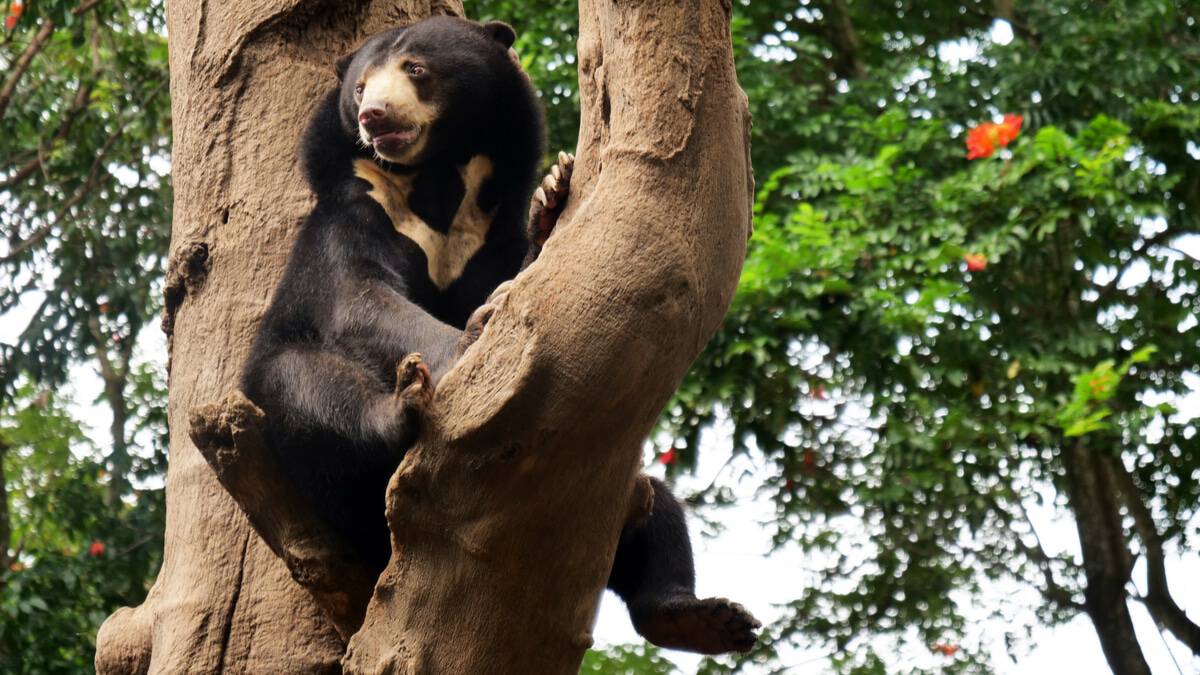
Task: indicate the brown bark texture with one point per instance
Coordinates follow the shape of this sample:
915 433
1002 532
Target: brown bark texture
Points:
506 514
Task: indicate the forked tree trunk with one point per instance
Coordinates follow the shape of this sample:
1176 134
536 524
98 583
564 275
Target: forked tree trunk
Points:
506 515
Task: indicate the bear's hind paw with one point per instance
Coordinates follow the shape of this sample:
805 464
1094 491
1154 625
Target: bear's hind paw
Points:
708 626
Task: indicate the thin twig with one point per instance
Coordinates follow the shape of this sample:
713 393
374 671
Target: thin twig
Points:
94 174
39 41
37 156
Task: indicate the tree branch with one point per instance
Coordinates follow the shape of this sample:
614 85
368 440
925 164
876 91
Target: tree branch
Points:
1158 600
85 7
845 41
1109 290
5 522
33 158
115 378
1053 591
229 436
1006 9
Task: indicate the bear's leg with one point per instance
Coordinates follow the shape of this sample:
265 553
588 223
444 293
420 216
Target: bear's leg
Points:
654 574
324 393
382 325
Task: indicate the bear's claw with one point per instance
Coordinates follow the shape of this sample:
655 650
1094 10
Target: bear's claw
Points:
708 626
549 199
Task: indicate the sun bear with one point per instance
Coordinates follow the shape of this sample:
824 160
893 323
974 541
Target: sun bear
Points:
423 162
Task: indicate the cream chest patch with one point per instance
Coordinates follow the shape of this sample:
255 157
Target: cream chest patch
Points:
449 253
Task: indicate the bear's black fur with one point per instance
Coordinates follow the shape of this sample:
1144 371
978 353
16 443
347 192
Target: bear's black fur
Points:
433 131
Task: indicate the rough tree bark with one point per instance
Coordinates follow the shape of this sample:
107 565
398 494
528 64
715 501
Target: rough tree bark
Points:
506 515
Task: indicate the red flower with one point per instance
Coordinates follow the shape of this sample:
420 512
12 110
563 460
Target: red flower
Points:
1100 384
667 457
976 262
17 566
983 140
14 15
97 548
946 649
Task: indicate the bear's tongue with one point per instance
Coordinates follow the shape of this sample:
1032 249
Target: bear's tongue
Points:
399 137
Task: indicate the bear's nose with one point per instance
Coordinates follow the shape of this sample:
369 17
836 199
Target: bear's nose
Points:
371 116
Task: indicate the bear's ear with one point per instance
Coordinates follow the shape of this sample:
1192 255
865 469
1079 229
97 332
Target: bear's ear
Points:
342 65
501 32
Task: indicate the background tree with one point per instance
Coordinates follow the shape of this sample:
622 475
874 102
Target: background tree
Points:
916 337
84 208
927 345
83 137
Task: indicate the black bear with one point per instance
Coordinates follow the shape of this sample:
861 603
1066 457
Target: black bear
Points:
423 162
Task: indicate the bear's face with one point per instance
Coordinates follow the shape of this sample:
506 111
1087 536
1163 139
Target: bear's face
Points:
401 89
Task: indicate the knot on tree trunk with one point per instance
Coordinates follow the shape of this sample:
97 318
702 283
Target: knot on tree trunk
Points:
124 643
230 436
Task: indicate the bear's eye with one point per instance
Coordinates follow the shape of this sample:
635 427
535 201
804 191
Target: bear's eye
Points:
358 89
416 69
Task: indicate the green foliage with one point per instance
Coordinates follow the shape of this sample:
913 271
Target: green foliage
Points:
85 211
626 660
1087 409
546 35
879 378
71 558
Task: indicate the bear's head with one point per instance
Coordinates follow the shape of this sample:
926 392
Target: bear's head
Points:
412 93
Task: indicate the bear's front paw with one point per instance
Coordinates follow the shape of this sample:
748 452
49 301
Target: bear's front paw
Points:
549 200
395 418
480 317
414 384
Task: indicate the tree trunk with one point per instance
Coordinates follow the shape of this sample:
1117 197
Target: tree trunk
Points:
244 77
1107 562
115 375
5 522
1158 599
506 515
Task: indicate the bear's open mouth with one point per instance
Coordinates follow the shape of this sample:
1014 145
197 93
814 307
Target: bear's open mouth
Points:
398 139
